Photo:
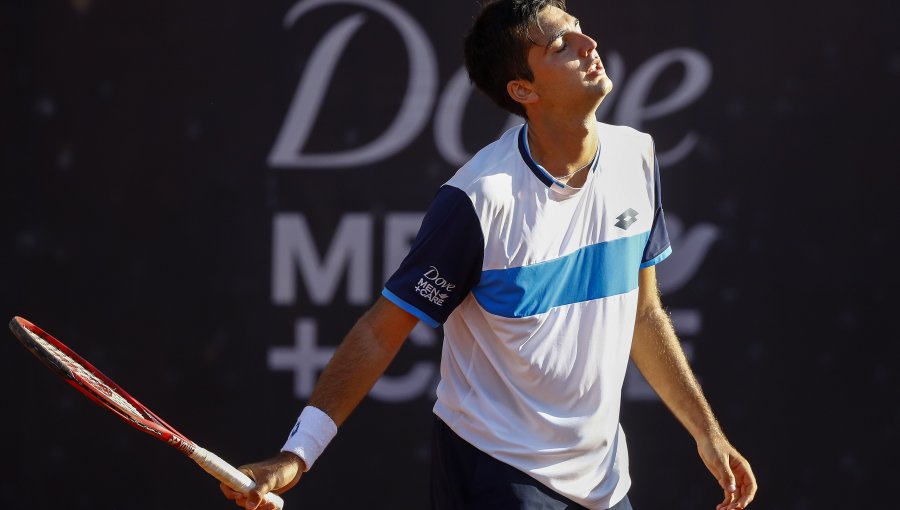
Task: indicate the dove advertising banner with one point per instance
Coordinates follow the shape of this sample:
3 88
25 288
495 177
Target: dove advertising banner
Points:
202 199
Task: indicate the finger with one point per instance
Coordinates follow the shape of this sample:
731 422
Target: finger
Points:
745 501
747 489
746 496
727 482
726 505
266 505
736 506
728 499
261 504
228 491
255 496
253 499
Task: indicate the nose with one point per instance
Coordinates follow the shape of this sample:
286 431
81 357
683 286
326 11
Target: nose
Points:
586 46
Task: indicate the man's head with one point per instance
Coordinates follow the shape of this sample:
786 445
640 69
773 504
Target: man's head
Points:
511 37
496 48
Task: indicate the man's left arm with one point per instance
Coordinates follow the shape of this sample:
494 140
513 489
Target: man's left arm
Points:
658 355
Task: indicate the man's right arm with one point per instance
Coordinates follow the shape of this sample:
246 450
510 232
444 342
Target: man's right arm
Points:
361 359
358 362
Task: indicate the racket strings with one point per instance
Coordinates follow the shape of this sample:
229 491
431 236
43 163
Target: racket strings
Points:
86 376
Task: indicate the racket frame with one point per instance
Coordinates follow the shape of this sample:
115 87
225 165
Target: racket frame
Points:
147 422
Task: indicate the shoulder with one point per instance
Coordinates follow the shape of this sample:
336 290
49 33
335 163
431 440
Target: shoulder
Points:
490 174
629 146
625 135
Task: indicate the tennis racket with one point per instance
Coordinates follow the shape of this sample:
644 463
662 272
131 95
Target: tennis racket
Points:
88 380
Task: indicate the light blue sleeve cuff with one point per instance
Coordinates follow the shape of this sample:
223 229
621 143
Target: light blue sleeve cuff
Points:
659 258
393 298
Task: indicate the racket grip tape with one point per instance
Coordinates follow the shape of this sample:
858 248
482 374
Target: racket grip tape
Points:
230 475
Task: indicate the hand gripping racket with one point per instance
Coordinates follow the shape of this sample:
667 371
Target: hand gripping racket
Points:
88 380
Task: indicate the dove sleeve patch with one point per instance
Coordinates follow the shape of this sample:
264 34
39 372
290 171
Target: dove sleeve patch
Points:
444 262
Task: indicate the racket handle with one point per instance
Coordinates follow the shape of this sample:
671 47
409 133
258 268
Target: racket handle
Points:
229 475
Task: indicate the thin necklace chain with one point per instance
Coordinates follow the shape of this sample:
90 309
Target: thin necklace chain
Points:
569 175
564 177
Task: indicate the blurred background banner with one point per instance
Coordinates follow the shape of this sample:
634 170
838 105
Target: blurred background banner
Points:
201 198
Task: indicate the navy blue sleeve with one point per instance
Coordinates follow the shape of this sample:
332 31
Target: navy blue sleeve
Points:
658 245
444 262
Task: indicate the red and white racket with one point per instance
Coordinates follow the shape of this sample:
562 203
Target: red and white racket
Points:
102 390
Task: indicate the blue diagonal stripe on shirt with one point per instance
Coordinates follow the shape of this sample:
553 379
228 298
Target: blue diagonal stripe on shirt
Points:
593 272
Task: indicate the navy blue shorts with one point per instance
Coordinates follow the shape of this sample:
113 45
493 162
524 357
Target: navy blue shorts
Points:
465 478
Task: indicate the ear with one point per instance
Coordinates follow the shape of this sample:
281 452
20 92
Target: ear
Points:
521 91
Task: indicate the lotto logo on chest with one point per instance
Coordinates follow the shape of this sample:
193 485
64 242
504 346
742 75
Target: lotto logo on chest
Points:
433 287
627 218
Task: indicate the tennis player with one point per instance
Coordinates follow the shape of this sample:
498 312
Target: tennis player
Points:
538 258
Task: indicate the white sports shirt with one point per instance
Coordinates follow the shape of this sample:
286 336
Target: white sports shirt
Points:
536 285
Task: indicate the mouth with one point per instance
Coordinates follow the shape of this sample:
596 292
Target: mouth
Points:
596 69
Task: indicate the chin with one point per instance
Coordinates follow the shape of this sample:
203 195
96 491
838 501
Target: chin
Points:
606 85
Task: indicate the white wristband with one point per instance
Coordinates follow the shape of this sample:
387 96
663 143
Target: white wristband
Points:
312 433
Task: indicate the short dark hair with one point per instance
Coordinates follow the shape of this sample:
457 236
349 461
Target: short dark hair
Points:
496 47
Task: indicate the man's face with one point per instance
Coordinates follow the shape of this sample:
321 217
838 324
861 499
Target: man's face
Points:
566 67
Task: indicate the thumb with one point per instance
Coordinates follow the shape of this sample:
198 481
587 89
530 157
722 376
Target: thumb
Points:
255 495
716 456
726 478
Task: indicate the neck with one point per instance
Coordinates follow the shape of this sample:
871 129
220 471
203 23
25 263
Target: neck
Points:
563 146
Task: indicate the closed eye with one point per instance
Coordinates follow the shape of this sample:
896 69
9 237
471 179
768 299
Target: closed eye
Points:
561 35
